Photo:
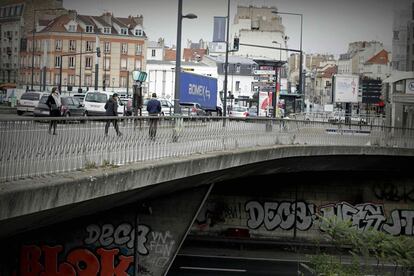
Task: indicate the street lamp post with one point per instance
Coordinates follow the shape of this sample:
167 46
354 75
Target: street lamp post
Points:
33 38
276 98
226 63
301 86
177 109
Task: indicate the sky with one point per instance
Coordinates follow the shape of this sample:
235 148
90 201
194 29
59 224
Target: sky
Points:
328 25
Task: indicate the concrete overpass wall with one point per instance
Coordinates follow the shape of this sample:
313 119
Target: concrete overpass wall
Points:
34 202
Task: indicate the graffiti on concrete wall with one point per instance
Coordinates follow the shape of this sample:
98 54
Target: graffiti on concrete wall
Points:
161 245
217 212
105 250
393 192
45 261
281 215
361 216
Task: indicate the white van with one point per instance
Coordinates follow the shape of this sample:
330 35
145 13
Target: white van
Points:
95 101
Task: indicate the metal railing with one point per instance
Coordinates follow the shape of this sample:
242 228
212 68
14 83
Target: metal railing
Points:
28 150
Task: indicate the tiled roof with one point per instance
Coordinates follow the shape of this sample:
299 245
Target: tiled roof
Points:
380 58
101 21
329 72
58 23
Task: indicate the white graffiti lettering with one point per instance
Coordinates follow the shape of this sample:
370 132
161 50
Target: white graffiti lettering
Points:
123 234
275 215
161 243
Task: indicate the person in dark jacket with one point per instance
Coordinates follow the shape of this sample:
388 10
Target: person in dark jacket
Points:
54 104
154 109
111 108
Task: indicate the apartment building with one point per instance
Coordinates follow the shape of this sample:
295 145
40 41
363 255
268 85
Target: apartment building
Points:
69 43
259 26
403 40
16 23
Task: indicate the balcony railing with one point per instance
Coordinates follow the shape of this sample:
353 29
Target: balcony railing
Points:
28 150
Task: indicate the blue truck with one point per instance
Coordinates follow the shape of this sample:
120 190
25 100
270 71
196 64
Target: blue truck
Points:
199 89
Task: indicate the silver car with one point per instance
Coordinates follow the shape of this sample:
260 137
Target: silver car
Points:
239 112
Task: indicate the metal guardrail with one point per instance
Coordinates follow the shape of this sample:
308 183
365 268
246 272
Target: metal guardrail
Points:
28 150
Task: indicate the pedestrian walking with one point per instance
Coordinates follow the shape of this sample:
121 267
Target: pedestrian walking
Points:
54 104
111 108
154 109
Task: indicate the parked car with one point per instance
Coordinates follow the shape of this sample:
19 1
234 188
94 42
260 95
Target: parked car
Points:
167 107
192 109
28 102
70 107
239 112
79 96
94 103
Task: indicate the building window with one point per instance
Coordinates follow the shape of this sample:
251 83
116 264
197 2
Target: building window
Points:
107 47
138 49
379 69
396 35
153 52
238 68
88 62
138 32
89 46
58 45
71 79
71 62
124 48
123 63
57 79
137 64
89 29
106 81
237 85
72 28
107 64
72 45
107 30
88 80
58 61
124 31
123 81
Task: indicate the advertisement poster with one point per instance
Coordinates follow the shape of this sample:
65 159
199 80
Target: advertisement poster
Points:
346 89
265 103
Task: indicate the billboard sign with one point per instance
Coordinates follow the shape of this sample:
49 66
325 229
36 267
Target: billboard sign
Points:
346 89
198 89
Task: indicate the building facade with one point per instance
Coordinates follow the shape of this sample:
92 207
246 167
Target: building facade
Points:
69 44
156 50
402 41
259 26
11 30
16 24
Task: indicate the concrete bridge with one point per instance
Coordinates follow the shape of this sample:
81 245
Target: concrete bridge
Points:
145 179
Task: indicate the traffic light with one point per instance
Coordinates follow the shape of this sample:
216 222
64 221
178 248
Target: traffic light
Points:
98 52
236 44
